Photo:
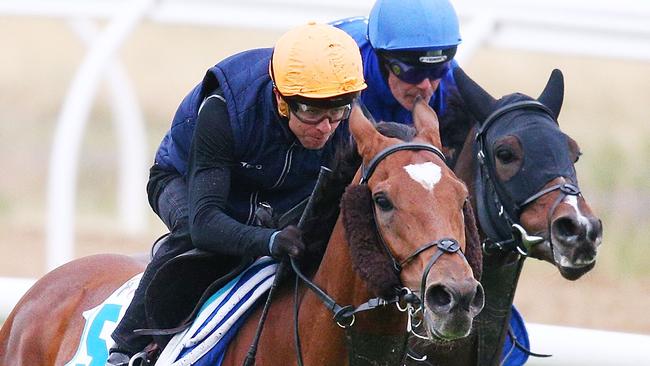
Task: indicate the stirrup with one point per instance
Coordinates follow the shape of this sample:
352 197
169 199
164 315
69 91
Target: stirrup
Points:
139 359
118 358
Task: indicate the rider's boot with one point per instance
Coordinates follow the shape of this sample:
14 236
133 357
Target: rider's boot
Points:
117 357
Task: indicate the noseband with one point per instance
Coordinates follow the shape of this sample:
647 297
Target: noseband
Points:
519 240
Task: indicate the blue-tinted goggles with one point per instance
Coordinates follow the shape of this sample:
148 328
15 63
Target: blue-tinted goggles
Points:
415 74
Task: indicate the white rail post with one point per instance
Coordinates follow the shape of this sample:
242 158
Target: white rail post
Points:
67 138
475 33
131 136
586 347
12 289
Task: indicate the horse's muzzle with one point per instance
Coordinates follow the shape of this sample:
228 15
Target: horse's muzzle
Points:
575 244
451 306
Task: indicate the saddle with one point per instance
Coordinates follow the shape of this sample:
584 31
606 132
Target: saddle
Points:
181 286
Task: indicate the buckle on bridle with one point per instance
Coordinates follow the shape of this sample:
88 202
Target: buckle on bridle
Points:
345 313
448 245
570 189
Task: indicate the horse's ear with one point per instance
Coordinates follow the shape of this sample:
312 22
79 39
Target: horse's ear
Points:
479 102
366 136
553 94
426 122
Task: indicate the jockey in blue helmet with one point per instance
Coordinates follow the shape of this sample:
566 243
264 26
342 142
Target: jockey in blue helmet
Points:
408 48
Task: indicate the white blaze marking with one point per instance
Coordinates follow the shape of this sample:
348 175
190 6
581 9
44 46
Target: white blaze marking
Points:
427 174
573 201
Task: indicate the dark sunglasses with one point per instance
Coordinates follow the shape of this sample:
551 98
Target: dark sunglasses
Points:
311 115
415 74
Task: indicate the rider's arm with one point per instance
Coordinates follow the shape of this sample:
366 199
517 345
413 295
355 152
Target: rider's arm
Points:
209 179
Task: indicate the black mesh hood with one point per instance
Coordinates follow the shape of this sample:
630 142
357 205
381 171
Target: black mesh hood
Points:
545 149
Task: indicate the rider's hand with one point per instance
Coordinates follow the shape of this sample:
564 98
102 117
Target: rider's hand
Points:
288 242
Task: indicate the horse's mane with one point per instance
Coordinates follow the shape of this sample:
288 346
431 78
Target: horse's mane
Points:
455 123
457 120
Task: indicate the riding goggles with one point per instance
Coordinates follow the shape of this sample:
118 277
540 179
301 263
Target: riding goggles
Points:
415 74
312 115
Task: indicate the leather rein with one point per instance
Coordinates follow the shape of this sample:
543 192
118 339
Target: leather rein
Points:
344 316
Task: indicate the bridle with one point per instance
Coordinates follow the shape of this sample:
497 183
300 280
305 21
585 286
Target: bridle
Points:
444 245
502 227
516 239
344 316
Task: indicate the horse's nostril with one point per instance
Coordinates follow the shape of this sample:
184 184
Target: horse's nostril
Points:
596 230
439 299
478 301
566 227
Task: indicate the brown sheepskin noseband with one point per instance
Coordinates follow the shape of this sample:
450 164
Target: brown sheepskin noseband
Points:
368 258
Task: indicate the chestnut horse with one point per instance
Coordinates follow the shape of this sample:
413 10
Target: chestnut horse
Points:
422 233
519 168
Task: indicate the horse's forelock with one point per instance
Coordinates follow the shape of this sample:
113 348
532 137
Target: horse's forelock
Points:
368 259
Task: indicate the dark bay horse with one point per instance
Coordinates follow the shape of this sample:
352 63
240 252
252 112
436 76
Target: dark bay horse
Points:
519 168
405 224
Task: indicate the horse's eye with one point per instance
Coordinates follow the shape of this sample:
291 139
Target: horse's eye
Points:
578 155
505 155
383 202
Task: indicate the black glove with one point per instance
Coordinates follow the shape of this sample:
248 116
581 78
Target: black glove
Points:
288 242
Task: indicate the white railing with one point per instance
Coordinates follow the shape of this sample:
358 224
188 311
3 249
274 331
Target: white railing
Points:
587 347
129 123
12 289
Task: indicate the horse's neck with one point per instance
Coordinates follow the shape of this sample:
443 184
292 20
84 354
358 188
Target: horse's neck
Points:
336 275
337 278
465 168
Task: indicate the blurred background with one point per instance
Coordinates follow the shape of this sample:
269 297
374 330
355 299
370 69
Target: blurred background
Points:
51 49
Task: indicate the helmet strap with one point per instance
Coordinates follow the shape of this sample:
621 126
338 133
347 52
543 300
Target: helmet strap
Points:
283 108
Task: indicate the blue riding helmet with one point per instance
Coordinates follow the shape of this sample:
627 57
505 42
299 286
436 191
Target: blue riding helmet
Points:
413 25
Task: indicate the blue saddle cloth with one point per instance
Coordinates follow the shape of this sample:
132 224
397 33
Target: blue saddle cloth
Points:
205 342
512 355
